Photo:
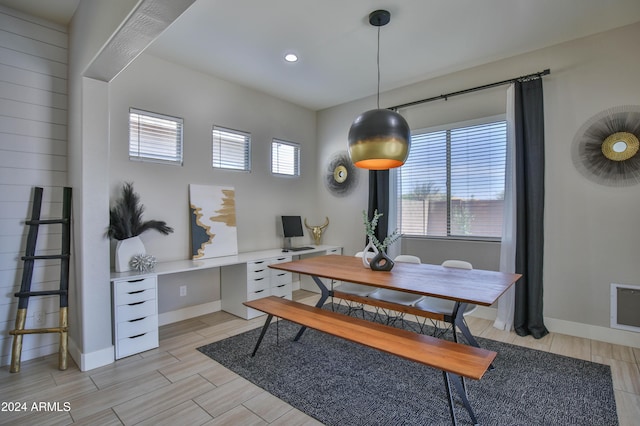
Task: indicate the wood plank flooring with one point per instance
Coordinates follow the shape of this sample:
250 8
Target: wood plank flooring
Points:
175 384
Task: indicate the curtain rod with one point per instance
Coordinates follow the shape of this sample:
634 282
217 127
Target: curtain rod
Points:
474 89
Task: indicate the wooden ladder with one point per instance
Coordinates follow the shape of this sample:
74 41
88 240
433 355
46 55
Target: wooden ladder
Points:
27 273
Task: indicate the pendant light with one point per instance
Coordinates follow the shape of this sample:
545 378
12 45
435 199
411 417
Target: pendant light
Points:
379 139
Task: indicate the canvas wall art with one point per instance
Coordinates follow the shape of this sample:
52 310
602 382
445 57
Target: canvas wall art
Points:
213 221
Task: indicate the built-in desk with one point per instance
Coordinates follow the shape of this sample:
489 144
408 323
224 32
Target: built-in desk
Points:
245 276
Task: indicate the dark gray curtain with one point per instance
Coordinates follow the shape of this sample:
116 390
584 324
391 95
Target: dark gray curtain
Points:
529 130
379 200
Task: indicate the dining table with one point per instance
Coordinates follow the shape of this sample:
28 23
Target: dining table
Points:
462 286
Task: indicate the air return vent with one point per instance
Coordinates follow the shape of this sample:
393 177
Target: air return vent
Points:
625 307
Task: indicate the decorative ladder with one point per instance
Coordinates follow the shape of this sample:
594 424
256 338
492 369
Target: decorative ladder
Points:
27 273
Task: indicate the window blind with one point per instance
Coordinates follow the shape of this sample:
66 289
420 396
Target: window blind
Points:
285 158
231 149
452 184
155 137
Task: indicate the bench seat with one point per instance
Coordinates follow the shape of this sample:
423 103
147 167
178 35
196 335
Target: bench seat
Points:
453 359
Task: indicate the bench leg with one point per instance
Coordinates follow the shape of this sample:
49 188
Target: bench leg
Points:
324 295
262 333
457 384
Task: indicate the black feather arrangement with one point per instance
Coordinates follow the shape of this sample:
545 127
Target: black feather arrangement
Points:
606 147
125 217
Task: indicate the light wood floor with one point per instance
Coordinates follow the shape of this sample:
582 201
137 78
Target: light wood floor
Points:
175 384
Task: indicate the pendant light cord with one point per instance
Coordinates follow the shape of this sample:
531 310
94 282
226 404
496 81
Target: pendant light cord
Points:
378 64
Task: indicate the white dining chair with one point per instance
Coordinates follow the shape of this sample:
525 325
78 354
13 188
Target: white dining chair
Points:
443 306
356 289
398 297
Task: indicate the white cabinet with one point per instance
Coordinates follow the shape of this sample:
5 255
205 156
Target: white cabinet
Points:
135 315
250 281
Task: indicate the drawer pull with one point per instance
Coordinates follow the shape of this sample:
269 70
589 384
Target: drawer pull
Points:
259 279
281 285
137 319
136 303
283 274
135 281
260 291
258 270
281 258
259 262
136 336
135 292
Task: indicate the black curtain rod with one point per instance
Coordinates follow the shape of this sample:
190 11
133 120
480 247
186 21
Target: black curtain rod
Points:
475 89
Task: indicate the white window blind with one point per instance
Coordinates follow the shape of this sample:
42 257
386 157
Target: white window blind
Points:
155 137
452 184
285 158
231 149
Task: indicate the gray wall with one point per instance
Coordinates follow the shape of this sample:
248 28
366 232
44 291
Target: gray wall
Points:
590 240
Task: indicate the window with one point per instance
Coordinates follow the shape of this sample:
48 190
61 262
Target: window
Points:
231 149
285 158
154 137
452 184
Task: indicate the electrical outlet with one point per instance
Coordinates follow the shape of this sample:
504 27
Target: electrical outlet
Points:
183 290
38 317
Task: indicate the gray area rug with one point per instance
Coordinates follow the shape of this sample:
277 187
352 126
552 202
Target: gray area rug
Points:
343 383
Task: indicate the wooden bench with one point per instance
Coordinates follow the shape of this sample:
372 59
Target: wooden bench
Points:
453 359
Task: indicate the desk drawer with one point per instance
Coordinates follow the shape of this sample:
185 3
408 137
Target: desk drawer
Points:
122 288
257 271
281 259
259 294
137 326
136 296
282 290
138 343
135 310
280 277
257 284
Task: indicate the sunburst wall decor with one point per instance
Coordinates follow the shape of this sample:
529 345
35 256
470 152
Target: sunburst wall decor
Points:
605 148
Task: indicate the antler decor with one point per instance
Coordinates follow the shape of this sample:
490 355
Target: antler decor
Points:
316 231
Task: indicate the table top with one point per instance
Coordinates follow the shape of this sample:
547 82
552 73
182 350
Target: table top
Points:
474 286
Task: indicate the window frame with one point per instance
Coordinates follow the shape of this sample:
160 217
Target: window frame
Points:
247 149
145 157
395 183
297 153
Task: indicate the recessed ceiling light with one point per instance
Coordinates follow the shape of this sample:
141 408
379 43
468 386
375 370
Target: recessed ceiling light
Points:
291 57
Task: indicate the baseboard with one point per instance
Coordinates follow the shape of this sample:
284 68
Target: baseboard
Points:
594 332
189 312
89 361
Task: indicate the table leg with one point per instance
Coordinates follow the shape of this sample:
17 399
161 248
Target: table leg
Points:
456 381
262 333
324 295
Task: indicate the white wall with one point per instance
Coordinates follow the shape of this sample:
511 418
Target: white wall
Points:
153 84
33 152
590 237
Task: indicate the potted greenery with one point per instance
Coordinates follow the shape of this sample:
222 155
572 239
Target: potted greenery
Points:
126 225
380 260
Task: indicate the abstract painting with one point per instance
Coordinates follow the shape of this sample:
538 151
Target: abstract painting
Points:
213 221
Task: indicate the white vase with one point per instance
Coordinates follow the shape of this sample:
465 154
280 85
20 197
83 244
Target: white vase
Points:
370 250
125 250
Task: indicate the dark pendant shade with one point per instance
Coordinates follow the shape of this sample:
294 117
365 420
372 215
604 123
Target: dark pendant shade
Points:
379 139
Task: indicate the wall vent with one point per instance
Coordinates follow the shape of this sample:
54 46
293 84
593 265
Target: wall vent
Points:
625 307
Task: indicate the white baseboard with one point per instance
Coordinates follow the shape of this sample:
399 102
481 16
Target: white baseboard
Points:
189 312
594 332
89 361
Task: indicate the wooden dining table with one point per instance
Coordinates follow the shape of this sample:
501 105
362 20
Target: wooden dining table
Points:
462 286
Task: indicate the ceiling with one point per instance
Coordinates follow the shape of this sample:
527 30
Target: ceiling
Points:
244 41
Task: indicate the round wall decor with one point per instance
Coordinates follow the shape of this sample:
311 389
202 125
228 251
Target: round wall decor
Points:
341 175
605 149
